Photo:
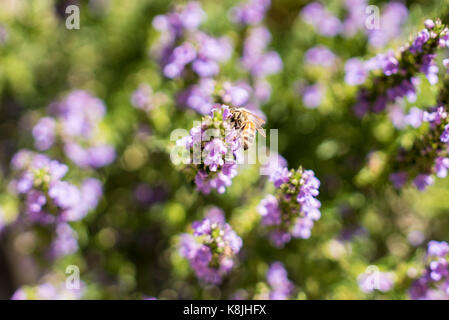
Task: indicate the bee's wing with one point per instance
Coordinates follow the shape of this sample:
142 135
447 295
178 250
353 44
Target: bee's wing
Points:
261 131
259 123
258 120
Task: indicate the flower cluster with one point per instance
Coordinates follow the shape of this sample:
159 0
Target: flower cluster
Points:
321 19
74 123
393 16
294 208
434 281
183 47
281 287
202 96
251 12
65 242
214 148
428 155
51 201
52 289
373 279
358 19
399 72
256 59
212 247
48 198
319 56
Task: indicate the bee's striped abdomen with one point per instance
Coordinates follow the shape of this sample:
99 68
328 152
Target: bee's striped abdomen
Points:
248 134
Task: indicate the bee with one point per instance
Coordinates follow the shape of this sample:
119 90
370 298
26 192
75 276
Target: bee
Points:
247 123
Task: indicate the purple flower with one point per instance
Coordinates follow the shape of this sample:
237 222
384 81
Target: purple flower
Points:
438 269
438 249
214 152
429 24
96 156
21 159
53 290
79 113
397 116
446 64
419 41
272 164
302 228
294 208
214 49
184 54
224 178
199 96
269 210
262 90
422 181
44 133
188 17
435 116
355 72
35 202
390 64
19 294
356 17
322 20
101 155
281 287
320 55
441 167
312 96
236 95
24 183
399 179
361 108
256 59
430 68
142 97
64 194
393 16
376 280
251 12
205 68
434 281
280 176
269 63
65 243
445 135
279 238
191 16
414 117
90 193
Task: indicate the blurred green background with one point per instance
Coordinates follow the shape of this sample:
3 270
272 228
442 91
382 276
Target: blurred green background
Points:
129 250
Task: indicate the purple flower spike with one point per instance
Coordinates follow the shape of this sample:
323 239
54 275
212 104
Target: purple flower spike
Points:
212 248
